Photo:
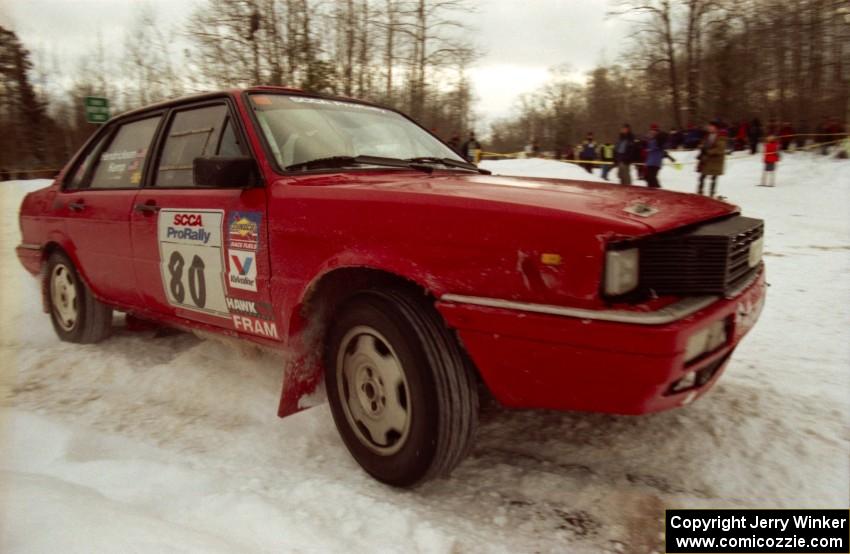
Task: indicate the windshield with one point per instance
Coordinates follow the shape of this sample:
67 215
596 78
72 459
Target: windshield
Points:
300 129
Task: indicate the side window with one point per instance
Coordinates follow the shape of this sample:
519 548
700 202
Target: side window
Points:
229 145
193 133
77 179
120 164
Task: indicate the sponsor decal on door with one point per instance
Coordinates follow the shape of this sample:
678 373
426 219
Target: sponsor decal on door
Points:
255 326
253 308
242 270
243 230
191 258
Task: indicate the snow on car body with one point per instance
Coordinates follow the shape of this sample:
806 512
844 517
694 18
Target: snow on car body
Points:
348 235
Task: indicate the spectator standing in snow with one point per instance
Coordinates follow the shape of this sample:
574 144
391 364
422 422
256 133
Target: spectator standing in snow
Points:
771 158
606 154
640 146
754 134
625 154
712 156
693 136
674 139
588 152
787 132
655 154
469 148
741 136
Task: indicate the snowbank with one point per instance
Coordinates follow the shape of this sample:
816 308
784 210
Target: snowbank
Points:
168 443
538 167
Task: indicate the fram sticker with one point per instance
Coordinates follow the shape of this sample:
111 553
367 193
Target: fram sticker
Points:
243 230
242 270
255 326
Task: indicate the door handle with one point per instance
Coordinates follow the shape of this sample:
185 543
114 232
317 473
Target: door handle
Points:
77 206
148 208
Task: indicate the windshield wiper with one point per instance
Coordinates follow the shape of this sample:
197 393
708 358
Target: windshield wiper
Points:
449 162
346 161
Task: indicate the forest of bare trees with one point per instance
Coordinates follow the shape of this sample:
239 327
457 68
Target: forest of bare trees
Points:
409 54
689 61
686 61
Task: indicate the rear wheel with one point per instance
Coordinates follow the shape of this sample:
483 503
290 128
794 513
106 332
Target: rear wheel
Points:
403 398
76 314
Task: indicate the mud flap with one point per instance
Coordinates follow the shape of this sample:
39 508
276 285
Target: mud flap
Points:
301 377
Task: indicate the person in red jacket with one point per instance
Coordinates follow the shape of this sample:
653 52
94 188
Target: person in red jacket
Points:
771 158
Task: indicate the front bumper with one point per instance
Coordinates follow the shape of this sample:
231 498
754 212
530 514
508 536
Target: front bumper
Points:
538 360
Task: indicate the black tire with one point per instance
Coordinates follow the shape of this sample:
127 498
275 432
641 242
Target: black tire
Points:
92 321
441 396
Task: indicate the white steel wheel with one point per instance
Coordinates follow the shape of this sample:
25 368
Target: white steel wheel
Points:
402 395
77 316
63 293
373 390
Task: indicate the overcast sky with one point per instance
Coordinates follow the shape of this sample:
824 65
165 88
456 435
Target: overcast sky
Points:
519 39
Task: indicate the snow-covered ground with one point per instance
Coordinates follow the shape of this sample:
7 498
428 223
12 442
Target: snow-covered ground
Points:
168 443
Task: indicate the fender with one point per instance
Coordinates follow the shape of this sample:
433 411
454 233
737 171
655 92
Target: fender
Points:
304 366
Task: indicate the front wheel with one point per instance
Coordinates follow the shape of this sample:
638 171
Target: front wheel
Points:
403 398
76 314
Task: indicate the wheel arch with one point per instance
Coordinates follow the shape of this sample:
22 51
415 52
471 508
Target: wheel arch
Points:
307 323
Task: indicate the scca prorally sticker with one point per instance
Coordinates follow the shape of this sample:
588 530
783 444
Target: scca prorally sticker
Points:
242 269
253 308
259 327
243 230
191 256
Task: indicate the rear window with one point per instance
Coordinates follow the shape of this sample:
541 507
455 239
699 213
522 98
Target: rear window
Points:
121 164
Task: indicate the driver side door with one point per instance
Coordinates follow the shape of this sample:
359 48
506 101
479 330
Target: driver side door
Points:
201 252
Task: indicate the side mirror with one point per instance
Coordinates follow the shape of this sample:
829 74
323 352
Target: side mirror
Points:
220 172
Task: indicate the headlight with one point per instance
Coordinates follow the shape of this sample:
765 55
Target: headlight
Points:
621 271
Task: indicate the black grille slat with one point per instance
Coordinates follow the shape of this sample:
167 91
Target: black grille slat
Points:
711 259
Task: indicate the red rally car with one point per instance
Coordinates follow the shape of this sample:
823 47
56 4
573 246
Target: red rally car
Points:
390 267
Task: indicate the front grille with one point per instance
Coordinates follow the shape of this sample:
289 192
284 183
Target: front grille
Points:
711 259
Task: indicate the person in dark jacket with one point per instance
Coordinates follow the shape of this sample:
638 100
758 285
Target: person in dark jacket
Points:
693 136
467 150
741 136
786 135
754 134
655 154
712 157
674 139
625 154
588 152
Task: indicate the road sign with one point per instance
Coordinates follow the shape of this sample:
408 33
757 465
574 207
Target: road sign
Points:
97 109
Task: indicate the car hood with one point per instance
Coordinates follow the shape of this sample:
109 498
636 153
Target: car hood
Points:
637 208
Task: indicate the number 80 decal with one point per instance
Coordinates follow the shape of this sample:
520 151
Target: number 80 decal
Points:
192 260
197 282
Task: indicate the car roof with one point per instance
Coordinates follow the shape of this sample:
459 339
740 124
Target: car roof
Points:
236 92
